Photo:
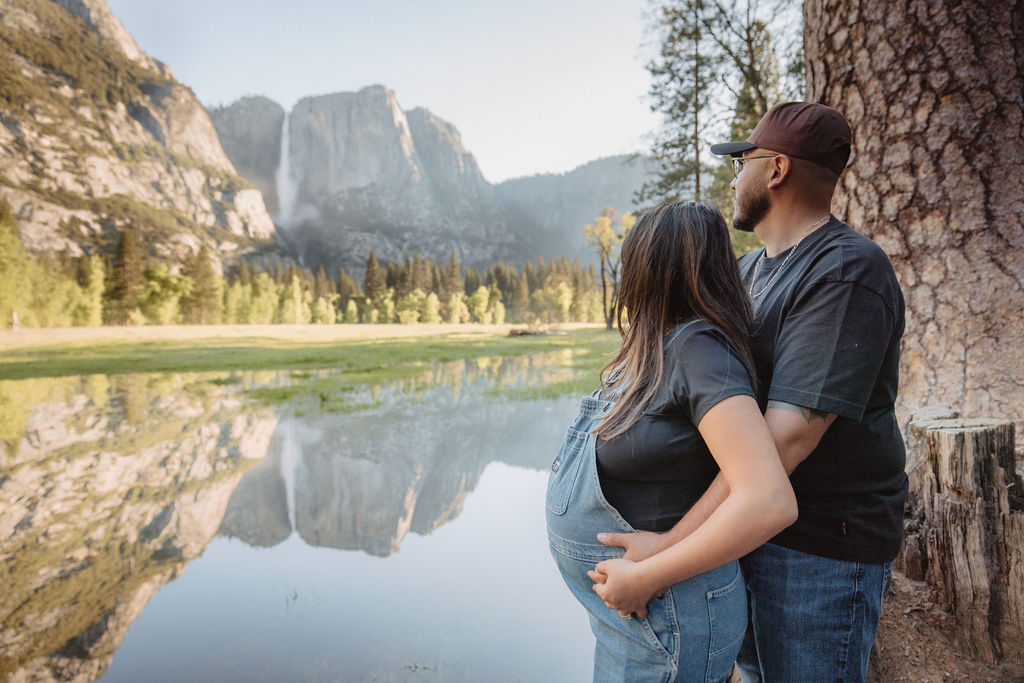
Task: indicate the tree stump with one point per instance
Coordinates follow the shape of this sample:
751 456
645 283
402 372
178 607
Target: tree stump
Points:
965 528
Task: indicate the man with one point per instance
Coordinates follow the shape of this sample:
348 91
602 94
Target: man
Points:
830 318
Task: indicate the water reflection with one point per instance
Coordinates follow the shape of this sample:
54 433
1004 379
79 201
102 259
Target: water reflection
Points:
109 487
112 488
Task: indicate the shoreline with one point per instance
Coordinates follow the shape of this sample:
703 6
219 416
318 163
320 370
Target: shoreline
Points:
85 336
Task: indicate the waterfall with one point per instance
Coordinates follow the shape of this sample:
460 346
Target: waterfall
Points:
283 177
290 456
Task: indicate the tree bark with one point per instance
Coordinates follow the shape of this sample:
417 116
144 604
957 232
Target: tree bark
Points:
933 92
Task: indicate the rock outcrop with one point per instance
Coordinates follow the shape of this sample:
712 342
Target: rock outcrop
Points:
96 136
97 15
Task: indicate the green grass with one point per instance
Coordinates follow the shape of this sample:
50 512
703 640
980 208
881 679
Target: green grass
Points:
315 377
365 360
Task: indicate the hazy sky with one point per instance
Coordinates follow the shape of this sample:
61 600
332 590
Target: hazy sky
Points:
534 86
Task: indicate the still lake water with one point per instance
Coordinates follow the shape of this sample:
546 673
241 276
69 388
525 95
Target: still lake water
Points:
167 528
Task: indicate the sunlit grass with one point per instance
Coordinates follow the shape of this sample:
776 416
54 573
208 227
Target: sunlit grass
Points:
308 373
369 360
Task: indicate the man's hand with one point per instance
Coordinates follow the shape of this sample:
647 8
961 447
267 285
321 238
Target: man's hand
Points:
639 545
622 586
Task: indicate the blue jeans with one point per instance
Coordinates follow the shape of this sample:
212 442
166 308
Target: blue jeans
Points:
693 630
811 618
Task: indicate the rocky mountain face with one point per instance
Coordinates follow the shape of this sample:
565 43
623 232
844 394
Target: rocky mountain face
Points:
366 174
557 206
359 172
250 133
96 136
110 488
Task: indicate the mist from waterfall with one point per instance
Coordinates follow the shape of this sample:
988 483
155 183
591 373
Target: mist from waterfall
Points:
283 178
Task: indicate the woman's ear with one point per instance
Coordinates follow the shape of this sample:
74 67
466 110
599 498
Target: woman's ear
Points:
779 169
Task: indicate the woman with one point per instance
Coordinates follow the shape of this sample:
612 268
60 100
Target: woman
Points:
676 406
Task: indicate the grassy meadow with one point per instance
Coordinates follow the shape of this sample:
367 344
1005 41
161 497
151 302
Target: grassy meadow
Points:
353 356
367 350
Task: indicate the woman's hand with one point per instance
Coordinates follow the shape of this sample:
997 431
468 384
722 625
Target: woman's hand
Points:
623 586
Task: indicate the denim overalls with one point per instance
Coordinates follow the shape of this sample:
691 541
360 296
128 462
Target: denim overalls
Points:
693 631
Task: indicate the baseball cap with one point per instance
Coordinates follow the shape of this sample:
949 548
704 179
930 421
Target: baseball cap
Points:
805 130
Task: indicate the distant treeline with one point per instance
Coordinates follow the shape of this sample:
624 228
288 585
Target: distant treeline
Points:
133 289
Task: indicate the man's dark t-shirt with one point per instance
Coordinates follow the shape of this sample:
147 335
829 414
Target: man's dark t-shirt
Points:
656 470
828 338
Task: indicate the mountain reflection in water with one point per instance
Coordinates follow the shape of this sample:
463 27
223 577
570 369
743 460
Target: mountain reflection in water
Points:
116 484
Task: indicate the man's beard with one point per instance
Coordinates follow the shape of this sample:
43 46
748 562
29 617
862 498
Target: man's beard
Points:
750 212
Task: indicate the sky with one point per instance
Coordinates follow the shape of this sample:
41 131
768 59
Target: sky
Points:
534 86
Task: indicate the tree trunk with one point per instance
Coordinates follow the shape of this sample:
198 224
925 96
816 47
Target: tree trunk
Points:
933 92
965 530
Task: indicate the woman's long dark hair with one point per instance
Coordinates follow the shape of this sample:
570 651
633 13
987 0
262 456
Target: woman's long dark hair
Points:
677 264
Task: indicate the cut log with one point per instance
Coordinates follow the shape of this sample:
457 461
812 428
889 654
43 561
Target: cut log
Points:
965 529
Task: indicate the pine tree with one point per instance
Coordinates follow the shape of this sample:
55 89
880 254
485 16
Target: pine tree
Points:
202 305
403 278
711 52
436 279
521 298
323 288
291 274
473 281
420 274
244 274
127 282
530 273
452 281
346 288
683 79
374 285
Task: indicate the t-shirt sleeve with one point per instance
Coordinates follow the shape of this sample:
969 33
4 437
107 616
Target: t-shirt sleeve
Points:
703 370
831 347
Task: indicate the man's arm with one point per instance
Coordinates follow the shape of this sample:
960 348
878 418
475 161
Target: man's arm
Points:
796 431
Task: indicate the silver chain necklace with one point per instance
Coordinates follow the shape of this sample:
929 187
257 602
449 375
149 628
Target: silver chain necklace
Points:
792 250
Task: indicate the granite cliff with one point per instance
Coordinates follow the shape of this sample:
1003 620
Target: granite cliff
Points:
366 174
250 133
348 172
96 136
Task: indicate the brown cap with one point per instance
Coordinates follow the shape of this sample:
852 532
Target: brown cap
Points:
804 130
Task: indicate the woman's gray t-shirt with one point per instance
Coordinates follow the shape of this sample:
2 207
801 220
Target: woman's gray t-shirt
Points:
655 471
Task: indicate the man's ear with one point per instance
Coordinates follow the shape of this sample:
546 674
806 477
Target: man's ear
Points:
779 169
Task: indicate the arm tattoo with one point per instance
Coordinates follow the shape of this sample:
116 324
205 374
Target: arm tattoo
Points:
809 414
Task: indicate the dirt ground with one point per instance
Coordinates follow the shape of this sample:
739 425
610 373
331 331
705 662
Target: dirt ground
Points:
916 642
